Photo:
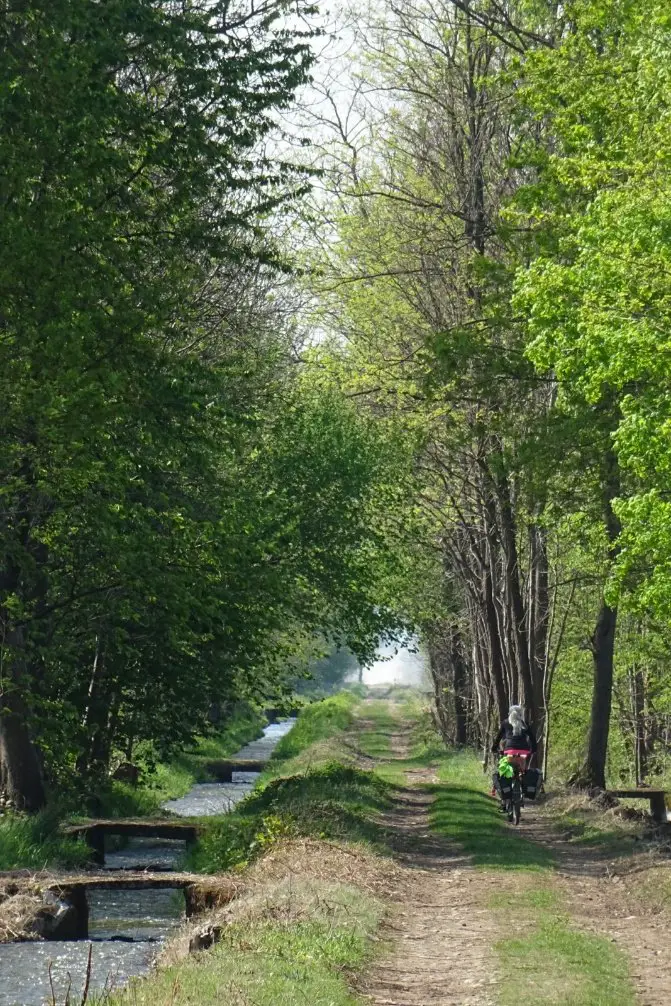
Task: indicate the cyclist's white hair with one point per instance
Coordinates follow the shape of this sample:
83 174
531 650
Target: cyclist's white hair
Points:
516 719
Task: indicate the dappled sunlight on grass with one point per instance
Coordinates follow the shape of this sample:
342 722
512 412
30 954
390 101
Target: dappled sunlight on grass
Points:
464 812
473 820
559 966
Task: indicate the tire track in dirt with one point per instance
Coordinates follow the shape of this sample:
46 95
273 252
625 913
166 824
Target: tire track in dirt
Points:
603 897
441 936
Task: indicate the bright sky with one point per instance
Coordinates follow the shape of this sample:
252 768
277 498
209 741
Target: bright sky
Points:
397 666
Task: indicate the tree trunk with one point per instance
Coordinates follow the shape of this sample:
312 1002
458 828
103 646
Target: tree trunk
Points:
460 679
496 668
603 645
92 760
449 673
538 620
532 689
20 769
638 704
603 650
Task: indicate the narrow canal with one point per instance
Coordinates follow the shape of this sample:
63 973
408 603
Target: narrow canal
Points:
126 927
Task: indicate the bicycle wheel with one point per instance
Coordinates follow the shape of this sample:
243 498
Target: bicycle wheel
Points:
516 802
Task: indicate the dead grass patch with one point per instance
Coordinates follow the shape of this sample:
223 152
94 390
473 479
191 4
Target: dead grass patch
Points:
297 880
579 813
17 914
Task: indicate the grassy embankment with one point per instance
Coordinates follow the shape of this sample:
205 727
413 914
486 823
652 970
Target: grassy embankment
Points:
305 921
311 788
33 842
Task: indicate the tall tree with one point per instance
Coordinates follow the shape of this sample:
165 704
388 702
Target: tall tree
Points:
128 160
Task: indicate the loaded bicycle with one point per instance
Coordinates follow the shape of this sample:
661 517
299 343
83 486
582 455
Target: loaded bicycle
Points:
516 780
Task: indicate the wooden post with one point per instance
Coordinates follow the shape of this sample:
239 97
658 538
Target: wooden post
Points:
192 901
658 807
95 838
76 896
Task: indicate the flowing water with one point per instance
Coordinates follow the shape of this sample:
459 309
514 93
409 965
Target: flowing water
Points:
126 928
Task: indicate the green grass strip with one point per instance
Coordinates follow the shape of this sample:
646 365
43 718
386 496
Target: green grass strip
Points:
552 963
317 722
374 740
559 966
33 843
465 813
273 963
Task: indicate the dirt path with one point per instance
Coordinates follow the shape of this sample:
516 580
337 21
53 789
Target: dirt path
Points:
442 937
606 897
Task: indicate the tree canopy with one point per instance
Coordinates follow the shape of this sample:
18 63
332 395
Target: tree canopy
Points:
264 398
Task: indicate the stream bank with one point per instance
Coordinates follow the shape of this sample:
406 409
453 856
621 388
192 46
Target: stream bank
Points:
127 928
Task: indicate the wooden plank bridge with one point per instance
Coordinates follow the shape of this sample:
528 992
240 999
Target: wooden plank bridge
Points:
223 770
94 831
200 892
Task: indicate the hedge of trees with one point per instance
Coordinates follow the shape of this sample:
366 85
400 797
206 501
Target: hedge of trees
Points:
252 410
181 512
499 184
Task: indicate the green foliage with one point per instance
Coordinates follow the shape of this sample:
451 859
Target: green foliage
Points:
33 843
183 513
327 673
505 303
595 301
173 779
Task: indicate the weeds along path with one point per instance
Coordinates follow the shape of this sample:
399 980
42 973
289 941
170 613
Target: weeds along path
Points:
441 938
521 915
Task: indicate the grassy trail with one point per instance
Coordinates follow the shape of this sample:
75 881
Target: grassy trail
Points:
499 915
373 868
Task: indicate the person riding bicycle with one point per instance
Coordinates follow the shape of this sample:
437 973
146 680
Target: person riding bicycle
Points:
514 734
515 742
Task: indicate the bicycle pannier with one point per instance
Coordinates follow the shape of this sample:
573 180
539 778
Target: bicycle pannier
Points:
505 787
532 782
